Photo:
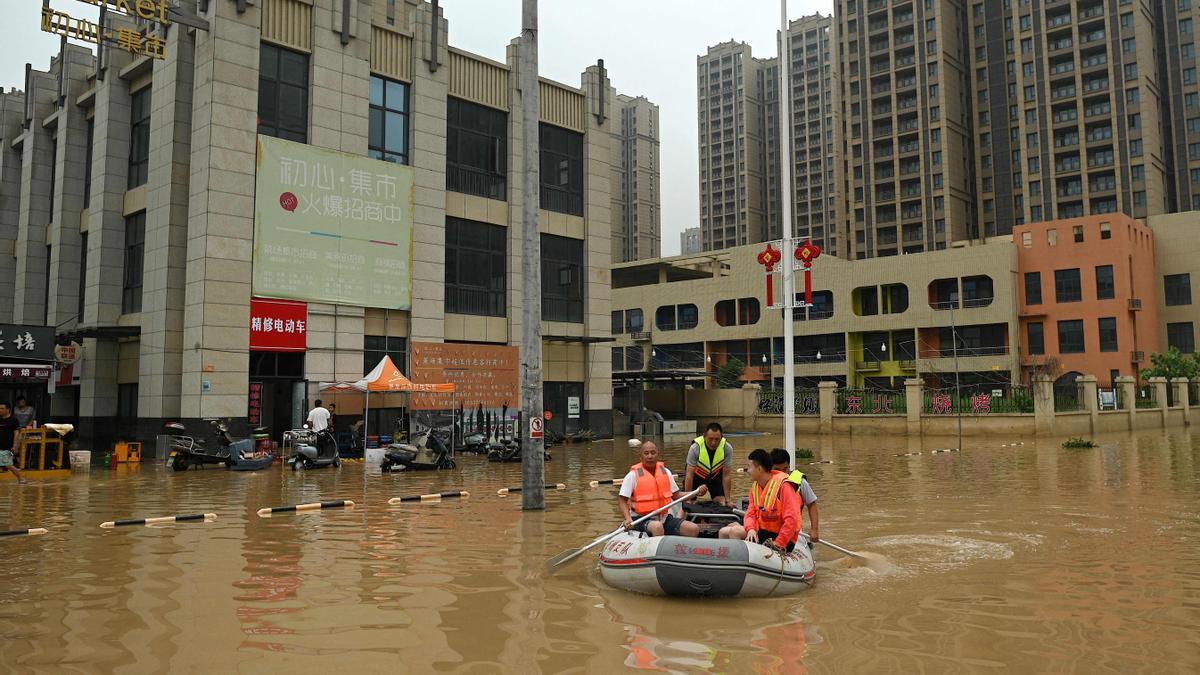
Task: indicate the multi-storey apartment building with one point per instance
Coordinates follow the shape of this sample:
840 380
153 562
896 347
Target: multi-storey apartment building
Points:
906 144
730 121
636 186
1181 89
689 241
142 217
813 136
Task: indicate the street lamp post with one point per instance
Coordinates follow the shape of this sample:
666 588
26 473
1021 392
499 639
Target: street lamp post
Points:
786 157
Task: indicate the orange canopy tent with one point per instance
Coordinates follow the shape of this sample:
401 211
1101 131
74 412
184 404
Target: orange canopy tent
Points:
385 377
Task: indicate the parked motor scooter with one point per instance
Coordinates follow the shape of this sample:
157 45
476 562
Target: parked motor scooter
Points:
429 454
188 451
313 449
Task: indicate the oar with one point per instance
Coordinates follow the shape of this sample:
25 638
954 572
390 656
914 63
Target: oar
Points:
876 562
571 554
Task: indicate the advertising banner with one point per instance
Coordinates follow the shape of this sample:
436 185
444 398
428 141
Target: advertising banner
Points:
278 325
332 227
483 375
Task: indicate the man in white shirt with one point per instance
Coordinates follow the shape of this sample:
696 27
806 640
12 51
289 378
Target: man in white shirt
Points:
648 486
318 417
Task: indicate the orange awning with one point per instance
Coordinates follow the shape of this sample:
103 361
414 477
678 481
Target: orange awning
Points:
387 377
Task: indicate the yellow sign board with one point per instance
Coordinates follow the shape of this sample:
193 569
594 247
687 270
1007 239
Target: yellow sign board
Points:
127 39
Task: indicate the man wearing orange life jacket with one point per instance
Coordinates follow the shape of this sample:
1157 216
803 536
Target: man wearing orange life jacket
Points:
648 486
774 514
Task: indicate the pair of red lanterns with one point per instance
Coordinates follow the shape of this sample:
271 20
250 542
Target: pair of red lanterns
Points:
805 255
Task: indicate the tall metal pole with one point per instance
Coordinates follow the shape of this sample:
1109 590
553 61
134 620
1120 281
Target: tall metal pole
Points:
533 467
957 390
786 194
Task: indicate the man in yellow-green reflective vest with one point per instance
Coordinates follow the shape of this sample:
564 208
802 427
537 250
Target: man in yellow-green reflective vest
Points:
710 463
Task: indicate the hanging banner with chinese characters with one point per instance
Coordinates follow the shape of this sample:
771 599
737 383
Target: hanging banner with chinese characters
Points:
26 342
483 375
140 43
278 325
332 227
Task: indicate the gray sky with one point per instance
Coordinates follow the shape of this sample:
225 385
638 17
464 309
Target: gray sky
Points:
648 46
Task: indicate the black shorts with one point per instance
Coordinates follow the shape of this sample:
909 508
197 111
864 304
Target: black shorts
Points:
716 485
671 525
764 535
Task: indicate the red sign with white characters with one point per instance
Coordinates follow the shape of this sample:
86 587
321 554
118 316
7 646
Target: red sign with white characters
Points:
278 325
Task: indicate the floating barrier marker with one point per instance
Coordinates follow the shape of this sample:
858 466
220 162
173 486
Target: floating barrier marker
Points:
18 533
938 452
548 486
910 454
314 506
158 521
435 497
606 481
822 461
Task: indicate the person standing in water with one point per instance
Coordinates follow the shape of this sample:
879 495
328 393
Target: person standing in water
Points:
8 435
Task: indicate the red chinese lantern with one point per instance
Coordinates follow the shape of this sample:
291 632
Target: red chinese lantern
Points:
806 254
768 259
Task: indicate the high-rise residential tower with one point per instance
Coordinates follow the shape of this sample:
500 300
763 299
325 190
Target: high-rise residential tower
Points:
636 195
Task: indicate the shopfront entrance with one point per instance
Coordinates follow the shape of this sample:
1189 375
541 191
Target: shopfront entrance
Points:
278 340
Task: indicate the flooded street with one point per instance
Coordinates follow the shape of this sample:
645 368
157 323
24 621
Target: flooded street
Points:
1007 559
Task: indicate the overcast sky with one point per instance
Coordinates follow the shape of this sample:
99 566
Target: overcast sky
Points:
648 46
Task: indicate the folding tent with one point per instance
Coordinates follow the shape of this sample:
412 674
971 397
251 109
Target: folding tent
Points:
384 377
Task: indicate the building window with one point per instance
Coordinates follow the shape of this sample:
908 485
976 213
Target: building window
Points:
83 260
375 347
671 357
476 280
1108 334
1066 286
1105 287
1105 231
1182 337
1033 288
977 291
283 93
627 321
1070 337
1037 338
1178 289
139 138
561 170
742 312
677 317
476 149
562 279
388 136
135 243
1078 232
87 163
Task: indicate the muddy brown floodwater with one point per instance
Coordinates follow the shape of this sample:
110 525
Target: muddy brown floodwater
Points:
1007 559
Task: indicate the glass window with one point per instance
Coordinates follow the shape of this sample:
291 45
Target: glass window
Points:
977 291
83 260
618 324
1033 288
689 317
1105 288
664 318
388 129
139 138
561 170
476 268
868 300
283 93
87 164
1178 289
896 298
135 239
1070 337
1182 337
476 149
1066 286
1037 338
562 279
375 347
1108 334
633 321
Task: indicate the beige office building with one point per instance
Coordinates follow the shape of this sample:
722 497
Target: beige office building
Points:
130 213
636 180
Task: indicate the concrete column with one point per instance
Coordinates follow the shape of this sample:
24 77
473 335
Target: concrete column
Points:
160 362
598 216
1087 394
827 400
1180 388
750 394
33 219
1043 405
12 106
106 209
98 394
1160 392
1127 391
220 224
914 400
428 121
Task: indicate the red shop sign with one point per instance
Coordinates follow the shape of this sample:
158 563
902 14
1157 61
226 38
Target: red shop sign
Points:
278 325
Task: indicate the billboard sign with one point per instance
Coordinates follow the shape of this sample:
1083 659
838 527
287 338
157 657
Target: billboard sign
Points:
483 375
332 227
278 325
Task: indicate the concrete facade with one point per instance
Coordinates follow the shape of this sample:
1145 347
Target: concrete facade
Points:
182 351
636 180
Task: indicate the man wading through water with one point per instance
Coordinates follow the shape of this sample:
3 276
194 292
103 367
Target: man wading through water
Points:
8 435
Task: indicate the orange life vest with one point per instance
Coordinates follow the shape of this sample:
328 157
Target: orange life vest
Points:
653 490
768 502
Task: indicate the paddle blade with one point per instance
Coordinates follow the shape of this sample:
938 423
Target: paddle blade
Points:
563 558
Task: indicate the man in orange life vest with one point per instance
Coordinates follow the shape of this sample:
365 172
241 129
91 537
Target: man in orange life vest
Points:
649 485
774 514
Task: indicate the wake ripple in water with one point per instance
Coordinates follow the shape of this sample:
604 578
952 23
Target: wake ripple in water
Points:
926 553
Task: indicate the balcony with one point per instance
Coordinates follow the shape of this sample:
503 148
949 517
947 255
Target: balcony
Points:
868 366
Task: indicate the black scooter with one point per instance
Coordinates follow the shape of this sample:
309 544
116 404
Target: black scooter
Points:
434 457
188 451
314 449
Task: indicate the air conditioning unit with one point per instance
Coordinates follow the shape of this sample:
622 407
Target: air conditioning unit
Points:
1137 357
1135 304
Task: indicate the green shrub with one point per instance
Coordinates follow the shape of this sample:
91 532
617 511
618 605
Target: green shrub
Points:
1078 443
804 453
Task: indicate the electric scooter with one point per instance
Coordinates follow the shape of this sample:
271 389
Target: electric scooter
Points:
313 449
